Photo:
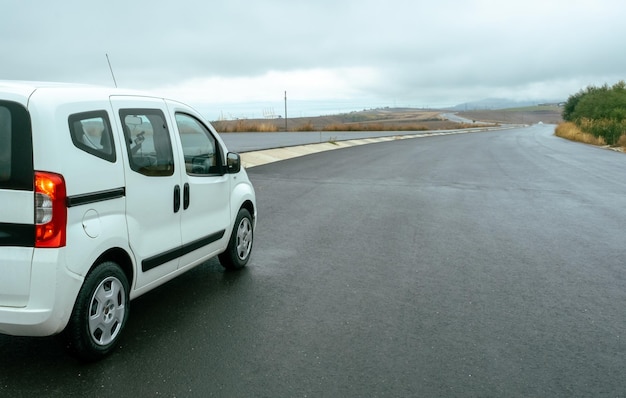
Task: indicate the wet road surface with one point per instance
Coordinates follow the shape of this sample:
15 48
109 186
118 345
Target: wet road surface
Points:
487 264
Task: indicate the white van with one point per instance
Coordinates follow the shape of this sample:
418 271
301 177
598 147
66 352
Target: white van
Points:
106 194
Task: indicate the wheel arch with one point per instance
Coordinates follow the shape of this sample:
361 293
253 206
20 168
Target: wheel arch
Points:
248 205
121 258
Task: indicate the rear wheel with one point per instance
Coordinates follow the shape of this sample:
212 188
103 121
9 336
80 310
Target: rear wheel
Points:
99 314
239 247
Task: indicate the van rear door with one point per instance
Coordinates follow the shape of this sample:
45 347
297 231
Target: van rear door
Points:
17 228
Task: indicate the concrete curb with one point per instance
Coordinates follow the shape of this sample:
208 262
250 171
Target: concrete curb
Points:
265 156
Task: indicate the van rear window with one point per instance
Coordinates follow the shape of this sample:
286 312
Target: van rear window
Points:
16 148
91 132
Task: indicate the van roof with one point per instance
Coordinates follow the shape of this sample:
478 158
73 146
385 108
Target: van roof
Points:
22 89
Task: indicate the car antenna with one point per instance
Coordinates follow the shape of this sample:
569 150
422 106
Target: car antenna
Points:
111 69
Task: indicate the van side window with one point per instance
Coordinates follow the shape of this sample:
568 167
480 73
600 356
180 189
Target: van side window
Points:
202 156
148 142
91 132
16 147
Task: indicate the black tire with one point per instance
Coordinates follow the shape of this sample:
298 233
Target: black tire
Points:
239 248
99 314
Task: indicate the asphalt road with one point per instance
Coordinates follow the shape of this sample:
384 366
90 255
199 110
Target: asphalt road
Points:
483 264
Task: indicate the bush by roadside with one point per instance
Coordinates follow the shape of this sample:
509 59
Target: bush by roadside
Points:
596 114
571 132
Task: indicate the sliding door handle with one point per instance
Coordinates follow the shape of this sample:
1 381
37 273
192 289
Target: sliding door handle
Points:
176 198
186 196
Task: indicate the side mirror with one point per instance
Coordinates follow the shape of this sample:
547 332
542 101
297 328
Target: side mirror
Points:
233 162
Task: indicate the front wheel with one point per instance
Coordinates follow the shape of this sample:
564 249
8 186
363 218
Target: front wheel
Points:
239 247
99 314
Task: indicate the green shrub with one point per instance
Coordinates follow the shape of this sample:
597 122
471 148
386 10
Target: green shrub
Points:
599 111
609 129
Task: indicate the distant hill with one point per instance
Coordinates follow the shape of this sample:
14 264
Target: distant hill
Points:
499 103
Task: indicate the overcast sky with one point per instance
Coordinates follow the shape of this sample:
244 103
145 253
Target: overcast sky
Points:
221 54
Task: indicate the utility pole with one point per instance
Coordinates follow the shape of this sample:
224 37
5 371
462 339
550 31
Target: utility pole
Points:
285 110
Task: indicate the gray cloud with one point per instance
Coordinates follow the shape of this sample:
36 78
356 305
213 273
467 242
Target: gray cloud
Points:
441 52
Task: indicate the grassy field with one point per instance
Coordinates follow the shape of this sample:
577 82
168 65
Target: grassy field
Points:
392 119
526 115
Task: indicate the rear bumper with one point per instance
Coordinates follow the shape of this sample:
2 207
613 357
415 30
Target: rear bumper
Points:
29 322
53 291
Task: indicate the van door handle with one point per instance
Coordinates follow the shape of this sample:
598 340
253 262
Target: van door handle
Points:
176 198
186 196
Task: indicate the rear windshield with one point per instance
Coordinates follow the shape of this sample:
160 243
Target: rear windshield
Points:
16 149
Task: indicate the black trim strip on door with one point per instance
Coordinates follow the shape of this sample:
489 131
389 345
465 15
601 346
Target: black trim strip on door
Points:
173 254
20 235
86 198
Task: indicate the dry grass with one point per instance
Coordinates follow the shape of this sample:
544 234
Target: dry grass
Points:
570 131
308 126
245 126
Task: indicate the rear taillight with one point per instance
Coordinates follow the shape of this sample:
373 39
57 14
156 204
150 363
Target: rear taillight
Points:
50 210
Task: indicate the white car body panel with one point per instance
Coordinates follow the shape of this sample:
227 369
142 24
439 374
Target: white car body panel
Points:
114 213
